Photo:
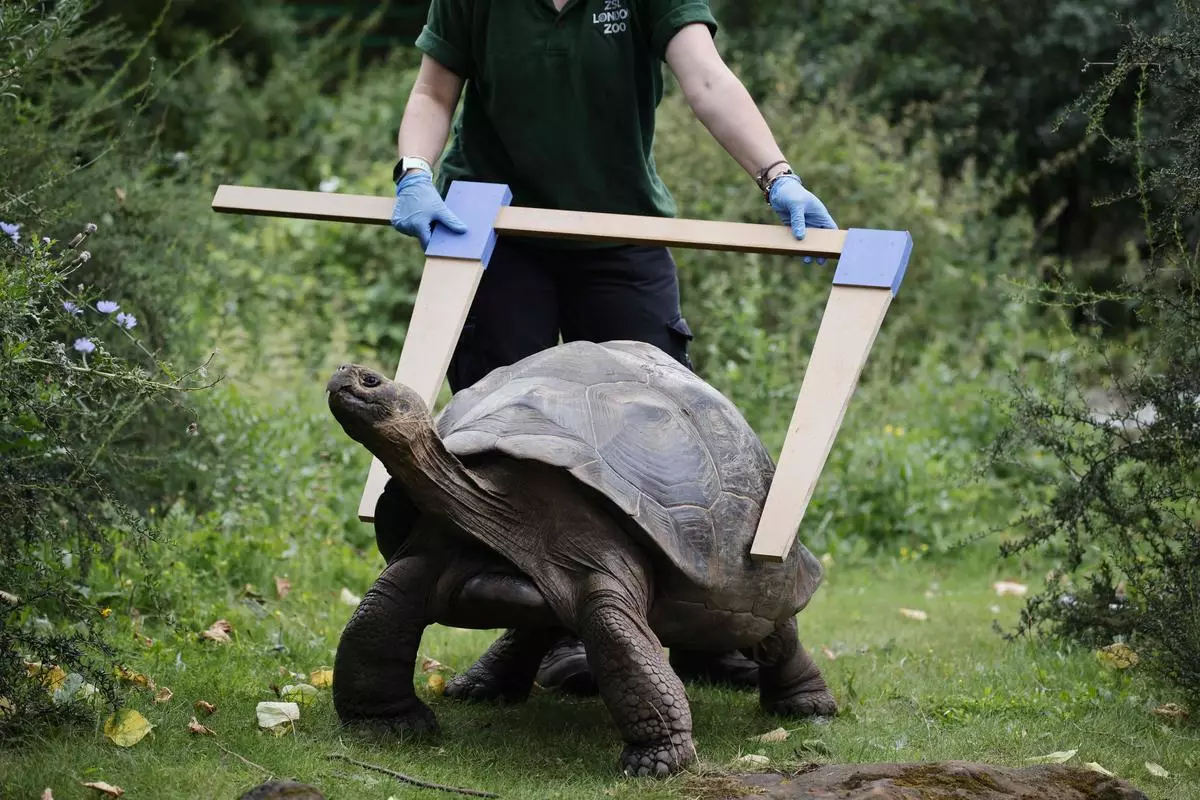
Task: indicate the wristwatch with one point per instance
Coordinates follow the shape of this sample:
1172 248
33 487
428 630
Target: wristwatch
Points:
409 162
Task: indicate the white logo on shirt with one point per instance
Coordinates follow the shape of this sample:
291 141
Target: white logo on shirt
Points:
614 17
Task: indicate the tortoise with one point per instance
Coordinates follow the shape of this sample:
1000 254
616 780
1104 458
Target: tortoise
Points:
601 489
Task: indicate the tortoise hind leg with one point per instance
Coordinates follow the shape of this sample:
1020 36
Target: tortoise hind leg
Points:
644 696
789 681
506 671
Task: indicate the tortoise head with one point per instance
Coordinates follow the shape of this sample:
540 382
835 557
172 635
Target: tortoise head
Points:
379 413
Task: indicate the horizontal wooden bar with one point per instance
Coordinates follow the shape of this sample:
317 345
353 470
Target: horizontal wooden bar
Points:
740 237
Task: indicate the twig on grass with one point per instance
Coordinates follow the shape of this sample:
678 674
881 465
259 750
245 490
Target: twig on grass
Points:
400 776
244 760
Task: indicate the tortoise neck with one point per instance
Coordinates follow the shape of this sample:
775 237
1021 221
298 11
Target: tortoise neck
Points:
440 484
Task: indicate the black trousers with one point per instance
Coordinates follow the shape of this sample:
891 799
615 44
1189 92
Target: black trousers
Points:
531 294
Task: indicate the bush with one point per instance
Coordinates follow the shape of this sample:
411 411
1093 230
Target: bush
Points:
1124 516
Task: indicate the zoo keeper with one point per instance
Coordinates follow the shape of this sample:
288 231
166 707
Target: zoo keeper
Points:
559 104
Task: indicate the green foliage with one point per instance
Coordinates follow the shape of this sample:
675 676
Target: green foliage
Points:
1124 517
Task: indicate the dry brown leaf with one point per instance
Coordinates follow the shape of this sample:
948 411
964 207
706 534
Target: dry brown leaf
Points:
777 735
218 632
282 587
1010 588
206 707
196 727
106 788
828 653
321 677
430 665
1094 767
134 678
913 613
163 695
1171 712
51 677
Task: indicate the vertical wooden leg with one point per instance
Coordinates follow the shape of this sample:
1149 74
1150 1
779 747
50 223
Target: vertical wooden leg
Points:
443 299
852 318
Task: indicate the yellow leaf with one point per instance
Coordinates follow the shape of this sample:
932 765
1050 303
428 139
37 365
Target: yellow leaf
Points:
126 727
436 684
777 735
301 693
321 677
52 677
1117 656
163 695
133 678
913 613
197 728
1156 770
106 788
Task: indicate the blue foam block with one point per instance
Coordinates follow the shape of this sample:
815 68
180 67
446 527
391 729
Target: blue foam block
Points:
873 258
477 205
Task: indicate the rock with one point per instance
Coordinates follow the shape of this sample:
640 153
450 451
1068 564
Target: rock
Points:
283 790
948 780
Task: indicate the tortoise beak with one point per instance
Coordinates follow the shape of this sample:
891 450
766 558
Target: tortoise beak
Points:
358 392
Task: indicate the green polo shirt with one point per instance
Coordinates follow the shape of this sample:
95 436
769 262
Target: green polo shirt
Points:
560 105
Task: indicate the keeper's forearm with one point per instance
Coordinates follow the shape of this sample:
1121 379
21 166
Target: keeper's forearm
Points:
727 110
425 126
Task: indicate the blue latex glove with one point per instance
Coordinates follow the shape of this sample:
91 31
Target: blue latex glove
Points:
418 206
798 207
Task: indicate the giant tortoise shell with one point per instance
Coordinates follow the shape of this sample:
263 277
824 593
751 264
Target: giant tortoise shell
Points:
670 452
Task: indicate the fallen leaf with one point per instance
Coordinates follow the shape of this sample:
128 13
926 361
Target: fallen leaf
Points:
207 708
277 717
436 684
1094 767
218 632
6 706
1117 656
251 591
52 677
120 194
282 587
163 695
1156 770
1171 712
106 788
1010 587
349 598
777 735
196 727
754 758
1060 757
9 598
828 653
814 745
430 665
913 613
301 693
321 677
47 794
126 727
133 678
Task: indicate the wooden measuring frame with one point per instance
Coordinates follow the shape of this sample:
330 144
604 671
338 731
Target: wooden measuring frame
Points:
871 266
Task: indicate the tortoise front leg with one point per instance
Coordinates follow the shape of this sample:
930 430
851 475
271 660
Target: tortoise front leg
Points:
789 681
377 653
643 694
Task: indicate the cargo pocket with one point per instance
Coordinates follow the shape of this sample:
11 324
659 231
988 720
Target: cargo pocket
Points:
680 336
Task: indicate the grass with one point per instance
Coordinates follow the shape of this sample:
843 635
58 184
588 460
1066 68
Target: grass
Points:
945 688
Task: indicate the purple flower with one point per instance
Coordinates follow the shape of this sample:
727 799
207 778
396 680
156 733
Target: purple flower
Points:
85 345
126 321
71 308
106 306
10 229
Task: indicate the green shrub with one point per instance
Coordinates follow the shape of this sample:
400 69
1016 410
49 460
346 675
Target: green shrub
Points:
1124 515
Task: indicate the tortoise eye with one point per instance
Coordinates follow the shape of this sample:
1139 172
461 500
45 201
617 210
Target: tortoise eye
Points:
370 381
